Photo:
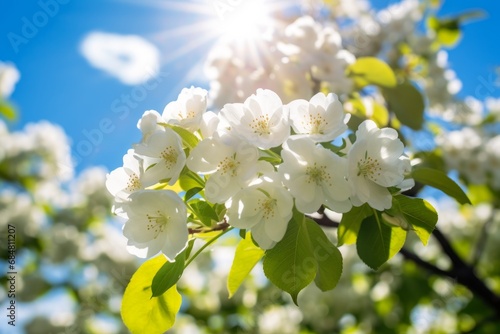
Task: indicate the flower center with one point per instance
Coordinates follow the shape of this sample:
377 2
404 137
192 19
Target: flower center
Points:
169 155
228 165
315 124
369 167
157 223
187 115
267 207
133 183
318 175
260 125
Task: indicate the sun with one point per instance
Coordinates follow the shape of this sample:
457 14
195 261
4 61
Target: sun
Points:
245 20
243 23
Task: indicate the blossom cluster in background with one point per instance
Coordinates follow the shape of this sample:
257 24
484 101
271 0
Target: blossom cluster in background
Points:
62 238
474 153
298 58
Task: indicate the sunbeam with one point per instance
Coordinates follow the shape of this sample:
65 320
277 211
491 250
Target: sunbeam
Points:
243 23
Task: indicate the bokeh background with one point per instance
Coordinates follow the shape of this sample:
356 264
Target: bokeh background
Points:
88 70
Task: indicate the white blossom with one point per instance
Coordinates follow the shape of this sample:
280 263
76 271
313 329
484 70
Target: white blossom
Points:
163 156
315 176
493 107
376 162
322 117
126 180
157 222
188 109
261 119
265 208
148 124
231 163
492 150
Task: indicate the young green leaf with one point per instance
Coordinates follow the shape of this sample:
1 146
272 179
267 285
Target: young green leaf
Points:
245 258
189 140
304 254
380 114
350 223
189 180
140 312
371 71
191 192
290 264
204 211
439 180
7 110
327 256
419 214
447 31
168 275
406 101
377 242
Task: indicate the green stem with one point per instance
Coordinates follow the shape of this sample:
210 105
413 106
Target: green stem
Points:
272 154
206 245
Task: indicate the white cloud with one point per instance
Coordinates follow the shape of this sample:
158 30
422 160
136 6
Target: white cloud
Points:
9 76
129 58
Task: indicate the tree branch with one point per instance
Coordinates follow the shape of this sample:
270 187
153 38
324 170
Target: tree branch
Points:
424 264
481 242
222 226
465 274
460 271
325 221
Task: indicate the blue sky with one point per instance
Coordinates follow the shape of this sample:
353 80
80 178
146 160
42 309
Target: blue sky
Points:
59 85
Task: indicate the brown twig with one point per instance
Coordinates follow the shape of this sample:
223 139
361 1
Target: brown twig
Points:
222 226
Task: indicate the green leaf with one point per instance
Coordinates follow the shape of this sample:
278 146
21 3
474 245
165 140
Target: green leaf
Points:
327 256
204 211
168 275
189 180
447 30
371 71
189 140
304 254
350 223
480 193
245 258
8 110
406 101
419 214
377 242
380 115
242 233
290 264
439 180
140 312
191 192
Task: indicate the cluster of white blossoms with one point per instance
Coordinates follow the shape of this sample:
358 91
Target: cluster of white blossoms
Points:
473 153
291 61
259 159
40 149
299 58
